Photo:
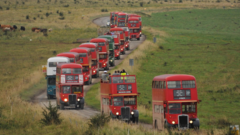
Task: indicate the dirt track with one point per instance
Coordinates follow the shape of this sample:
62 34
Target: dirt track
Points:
88 112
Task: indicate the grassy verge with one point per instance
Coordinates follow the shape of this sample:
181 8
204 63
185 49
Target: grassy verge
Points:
203 43
33 90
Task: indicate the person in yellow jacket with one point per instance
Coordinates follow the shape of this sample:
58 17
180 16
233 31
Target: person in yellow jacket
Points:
123 72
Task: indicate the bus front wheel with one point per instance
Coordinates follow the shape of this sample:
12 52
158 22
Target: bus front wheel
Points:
61 106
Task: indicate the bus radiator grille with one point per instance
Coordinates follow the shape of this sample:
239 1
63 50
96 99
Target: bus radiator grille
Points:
125 113
183 121
72 99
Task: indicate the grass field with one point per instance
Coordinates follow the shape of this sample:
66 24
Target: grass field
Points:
203 43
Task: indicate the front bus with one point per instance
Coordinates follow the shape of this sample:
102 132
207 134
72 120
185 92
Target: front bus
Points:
174 101
69 86
119 97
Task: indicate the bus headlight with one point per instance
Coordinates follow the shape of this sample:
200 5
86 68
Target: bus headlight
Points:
140 32
190 121
117 113
78 99
126 45
132 113
65 99
94 71
104 64
173 122
111 60
117 53
121 49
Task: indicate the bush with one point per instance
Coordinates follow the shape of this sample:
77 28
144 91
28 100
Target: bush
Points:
180 1
27 17
66 5
98 121
61 13
23 3
57 11
141 4
47 14
7 8
0 7
51 115
69 12
34 18
38 1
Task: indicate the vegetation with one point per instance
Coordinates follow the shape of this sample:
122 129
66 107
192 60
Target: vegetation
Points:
51 115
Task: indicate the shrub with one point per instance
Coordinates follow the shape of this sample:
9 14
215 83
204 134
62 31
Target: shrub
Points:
16 2
51 115
149 2
1 8
38 1
66 5
7 8
34 18
61 13
180 1
47 14
27 17
141 4
98 120
23 3
41 17
69 12
57 11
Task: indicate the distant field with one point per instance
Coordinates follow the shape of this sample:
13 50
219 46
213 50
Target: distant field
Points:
203 43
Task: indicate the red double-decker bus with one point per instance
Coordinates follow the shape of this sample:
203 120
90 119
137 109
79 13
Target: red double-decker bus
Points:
69 86
122 20
174 101
103 47
119 96
134 26
73 56
86 62
95 57
122 38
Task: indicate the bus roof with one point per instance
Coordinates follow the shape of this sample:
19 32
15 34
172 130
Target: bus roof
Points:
58 59
174 77
69 65
121 13
80 50
133 18
98 40
90 45
117 29
68 54
105 36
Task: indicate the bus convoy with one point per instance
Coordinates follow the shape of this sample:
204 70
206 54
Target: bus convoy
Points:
174 96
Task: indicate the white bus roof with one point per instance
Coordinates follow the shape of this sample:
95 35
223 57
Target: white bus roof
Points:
58 59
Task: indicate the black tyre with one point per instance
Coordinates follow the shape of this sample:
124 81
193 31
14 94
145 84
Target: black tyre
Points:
118 57
82 106
48 96
136 120
138 38
155 124
61 106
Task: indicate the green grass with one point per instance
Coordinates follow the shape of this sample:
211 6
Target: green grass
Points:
203 43
35 89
